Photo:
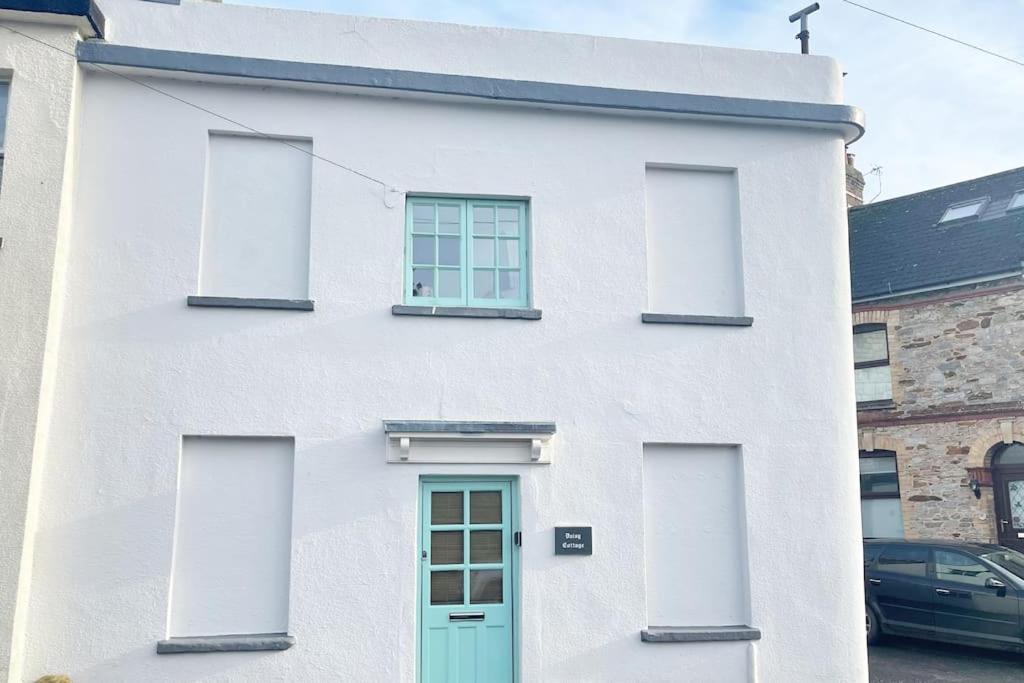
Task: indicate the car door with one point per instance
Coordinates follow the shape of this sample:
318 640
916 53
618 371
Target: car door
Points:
971 608
902 591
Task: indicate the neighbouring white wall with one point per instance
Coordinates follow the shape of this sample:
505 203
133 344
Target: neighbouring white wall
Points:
695 538
35 205
232 537
256 218
694 241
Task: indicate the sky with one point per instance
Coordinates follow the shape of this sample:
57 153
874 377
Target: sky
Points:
937 112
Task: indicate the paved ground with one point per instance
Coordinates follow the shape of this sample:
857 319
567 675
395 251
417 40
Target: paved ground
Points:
899 660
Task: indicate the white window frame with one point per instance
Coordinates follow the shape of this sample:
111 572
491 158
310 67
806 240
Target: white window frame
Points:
981 202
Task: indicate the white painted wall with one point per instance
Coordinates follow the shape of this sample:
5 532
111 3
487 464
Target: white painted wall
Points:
695 536
35 206
232 536
255 240
138 369
694 241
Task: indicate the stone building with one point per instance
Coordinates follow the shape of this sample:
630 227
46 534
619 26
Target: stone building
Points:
938 314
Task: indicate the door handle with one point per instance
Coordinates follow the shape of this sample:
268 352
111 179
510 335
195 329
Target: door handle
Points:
875 582
1002 525
465 616
942 591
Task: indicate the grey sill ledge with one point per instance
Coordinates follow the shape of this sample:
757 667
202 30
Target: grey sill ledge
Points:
467 312
241 302
455 427
246 643
698 634
674 319
887 404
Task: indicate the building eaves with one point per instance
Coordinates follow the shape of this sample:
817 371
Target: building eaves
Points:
87 9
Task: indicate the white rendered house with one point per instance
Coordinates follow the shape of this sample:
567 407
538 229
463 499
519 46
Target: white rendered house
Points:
398 351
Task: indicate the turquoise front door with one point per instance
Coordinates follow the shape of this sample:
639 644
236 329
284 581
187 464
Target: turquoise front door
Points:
466 582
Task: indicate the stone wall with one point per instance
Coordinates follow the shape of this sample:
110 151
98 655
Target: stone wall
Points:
958 376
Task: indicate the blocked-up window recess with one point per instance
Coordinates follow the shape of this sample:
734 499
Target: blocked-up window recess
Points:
233 529
695 542
256 211
694 255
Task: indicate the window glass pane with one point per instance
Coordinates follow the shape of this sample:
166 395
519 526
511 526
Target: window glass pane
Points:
449 284
483 252
446 588
484 547
485 507
907 559
423 250
878 475
873 384
508 284
446 507
423 212
423 282
868 346
964 211
448 214
485 587
508 220
1010 455
1010 560
1017 201
483 214
881 518
508 253
4 93
446 547
449 251
959 568
483 284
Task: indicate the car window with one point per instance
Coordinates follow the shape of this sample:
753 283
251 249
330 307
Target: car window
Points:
1010 560
960 568
904 559
870 553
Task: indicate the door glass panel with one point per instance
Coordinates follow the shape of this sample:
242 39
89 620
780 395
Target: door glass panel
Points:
485 507
446 547
485 587
484 547
1010 455
446 507
1015 489
446 588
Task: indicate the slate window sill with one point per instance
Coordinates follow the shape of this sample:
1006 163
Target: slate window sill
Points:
674 319
246 643
698 634
887 404
467 312
242 302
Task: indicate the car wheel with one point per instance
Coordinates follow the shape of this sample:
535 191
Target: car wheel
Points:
874 630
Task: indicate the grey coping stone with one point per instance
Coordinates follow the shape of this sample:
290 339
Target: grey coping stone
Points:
242 302
235 643
74 8
698 634
674 319
468 427
849 118
467 312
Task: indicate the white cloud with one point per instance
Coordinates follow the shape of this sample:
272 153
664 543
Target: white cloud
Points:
937 112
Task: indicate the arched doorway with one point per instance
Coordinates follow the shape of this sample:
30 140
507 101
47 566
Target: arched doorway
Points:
1008 486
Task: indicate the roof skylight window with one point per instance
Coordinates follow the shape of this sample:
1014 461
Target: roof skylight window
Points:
1016 201
963 210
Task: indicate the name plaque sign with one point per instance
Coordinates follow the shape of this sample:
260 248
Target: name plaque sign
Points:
574 540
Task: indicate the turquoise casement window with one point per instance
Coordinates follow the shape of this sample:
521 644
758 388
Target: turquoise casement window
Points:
466 252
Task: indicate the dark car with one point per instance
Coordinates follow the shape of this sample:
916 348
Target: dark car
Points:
957 592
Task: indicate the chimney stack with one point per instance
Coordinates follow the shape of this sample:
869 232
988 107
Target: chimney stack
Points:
854 183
